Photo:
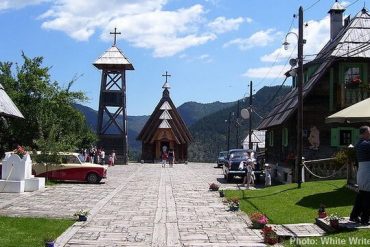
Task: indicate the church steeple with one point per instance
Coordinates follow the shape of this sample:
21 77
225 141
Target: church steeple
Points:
166 86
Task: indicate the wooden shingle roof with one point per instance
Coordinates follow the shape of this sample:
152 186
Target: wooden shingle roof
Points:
7 106
351 41
165 116
113 58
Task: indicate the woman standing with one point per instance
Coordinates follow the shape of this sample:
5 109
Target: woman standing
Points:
171 157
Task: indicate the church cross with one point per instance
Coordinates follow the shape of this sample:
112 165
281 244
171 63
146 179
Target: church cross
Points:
166 75
115 35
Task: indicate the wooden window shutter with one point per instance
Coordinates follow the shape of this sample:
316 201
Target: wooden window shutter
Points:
334 137
355 136
285 137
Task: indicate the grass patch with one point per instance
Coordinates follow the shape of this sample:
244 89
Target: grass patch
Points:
286 204
349 238
16 231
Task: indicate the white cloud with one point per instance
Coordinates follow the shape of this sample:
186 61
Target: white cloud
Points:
276 71
18 4
317 34
249 20
143 23
223 25
258 39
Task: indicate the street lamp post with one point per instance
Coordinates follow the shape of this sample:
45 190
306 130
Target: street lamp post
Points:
301 41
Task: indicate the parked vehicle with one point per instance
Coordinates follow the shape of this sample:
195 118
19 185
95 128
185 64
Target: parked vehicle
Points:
71 169
221 160
231 168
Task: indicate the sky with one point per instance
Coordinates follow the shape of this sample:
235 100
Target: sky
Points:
211 48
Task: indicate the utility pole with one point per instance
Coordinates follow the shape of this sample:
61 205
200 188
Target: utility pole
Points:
228 130
237 124
250 114
298 165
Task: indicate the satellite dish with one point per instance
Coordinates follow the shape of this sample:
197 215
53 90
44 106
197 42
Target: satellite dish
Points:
293 62
244 113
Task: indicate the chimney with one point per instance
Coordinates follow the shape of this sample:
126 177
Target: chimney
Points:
336 19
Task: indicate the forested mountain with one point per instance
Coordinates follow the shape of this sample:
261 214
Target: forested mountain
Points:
206 123
210 132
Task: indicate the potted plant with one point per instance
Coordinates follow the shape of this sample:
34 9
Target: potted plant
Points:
49 241
270 235
233 204
322 213
258 220
214 187
334 220
222 193
81 214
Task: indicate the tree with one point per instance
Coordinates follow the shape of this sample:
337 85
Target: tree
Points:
51 121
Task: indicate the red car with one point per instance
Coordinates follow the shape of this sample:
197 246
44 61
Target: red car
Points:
71 169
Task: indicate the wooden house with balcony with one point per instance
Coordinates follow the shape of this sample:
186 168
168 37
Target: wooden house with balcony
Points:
337 78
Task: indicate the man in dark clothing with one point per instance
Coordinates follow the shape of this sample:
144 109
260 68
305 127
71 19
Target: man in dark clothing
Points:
361 207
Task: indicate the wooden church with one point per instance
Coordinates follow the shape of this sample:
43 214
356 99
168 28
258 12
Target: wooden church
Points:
165 129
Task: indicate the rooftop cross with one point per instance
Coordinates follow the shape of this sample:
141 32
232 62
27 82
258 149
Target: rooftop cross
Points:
166 75
115 35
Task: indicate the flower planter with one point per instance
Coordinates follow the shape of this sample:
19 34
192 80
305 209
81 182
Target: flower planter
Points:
334 224
323 215
82 218
234 208
271 240
256 225
49 244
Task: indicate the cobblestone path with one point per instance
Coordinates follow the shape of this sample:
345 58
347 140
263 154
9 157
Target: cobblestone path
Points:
141 205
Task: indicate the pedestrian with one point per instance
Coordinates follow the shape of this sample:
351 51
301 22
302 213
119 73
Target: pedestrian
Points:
164 158
267 175
102 156
114 157
171 157
110 160
248 173
361 209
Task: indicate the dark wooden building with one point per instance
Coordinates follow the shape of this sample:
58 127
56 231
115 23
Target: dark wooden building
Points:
337 78
165 127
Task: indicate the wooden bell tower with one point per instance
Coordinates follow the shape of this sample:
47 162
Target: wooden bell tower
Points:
112 113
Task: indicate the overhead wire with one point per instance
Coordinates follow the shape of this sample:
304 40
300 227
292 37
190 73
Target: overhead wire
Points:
312 5
276 58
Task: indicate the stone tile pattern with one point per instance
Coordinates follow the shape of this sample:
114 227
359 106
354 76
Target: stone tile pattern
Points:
142 205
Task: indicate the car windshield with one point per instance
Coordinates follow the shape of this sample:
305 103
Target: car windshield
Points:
222 154
71 159
238 155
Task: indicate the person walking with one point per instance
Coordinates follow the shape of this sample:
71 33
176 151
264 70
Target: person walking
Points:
171 157
361 209
164 158
114 157
267 175
102 156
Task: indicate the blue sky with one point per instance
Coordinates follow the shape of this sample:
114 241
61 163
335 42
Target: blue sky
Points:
212 48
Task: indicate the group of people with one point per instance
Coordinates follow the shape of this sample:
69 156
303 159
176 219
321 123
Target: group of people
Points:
97 156
249 166
361 209
167 156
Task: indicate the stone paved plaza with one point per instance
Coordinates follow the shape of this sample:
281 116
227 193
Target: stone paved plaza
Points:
141 205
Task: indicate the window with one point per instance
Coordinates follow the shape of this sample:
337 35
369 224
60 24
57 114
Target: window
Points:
345 137
352 77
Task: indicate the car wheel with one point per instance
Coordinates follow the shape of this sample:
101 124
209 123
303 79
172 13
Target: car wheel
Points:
92 178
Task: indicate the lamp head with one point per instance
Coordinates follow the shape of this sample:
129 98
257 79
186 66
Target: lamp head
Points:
286 45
